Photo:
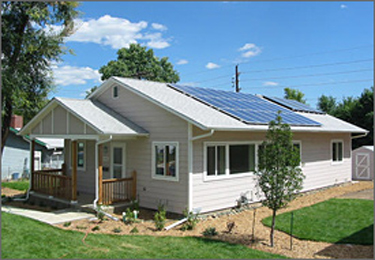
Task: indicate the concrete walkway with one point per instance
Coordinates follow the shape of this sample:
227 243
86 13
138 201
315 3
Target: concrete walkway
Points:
52 218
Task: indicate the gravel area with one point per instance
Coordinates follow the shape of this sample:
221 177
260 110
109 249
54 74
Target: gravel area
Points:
242 231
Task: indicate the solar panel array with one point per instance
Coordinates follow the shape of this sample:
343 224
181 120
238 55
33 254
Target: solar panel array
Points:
245 107
294 105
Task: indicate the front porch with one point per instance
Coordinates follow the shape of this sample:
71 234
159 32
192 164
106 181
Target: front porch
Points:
59 184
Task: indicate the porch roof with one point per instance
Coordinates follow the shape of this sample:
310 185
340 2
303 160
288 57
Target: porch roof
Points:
97 116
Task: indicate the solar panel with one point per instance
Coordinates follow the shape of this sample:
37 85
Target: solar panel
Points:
294 105
245 107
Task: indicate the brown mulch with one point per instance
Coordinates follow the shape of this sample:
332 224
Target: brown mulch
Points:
10 192
242 230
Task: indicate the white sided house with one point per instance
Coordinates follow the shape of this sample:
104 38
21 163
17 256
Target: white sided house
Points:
181 146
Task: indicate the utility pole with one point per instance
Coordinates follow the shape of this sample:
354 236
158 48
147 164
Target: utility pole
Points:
237 79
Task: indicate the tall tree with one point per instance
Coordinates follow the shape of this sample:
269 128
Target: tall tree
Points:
294 94
138 62
358 111
29 45
327 104
279 174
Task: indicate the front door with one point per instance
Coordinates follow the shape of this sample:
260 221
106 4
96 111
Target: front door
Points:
118 161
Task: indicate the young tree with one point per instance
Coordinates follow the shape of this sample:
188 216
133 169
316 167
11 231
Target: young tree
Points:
29 45
279 174
294 94
138 62
327 104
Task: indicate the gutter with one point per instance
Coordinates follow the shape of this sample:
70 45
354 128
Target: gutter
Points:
97 178
359 136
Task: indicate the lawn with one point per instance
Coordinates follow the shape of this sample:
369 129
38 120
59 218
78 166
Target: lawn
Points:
16 185
343 221
25 238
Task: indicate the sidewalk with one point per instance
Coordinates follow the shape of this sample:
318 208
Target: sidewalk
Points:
52 218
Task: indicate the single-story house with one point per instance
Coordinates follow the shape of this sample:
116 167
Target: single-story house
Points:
185 147
363 163
15 161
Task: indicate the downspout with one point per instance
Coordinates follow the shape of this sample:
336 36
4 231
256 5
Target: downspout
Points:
97 179
190 161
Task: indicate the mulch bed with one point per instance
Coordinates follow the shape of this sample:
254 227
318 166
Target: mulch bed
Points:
242 231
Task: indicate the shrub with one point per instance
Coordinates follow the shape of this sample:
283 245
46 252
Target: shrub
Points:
191 222
116 230
67 224
210 232
134 230
134 205
81 227
95 228
160 217
99 214
129 217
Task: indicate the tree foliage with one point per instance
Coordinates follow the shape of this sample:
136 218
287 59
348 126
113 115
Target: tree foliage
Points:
358 111
294 94
29 45
138 62
279 174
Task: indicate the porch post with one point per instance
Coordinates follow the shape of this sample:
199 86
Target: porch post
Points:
100 173
134 190
32 163
74 171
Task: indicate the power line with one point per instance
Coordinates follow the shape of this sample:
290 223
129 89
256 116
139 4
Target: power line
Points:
310 66
317 84
283 58
310 75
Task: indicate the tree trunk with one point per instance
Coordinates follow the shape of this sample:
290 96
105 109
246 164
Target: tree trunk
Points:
273 226
6 122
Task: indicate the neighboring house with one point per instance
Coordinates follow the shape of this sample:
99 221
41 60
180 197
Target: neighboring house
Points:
363 163
190 147
15 162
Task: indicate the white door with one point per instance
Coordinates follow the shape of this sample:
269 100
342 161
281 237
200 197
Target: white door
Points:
362 168
118 160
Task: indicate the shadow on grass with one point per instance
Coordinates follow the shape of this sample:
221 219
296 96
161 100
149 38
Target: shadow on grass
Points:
357 245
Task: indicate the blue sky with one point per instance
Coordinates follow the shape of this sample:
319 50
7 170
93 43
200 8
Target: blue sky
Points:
316 47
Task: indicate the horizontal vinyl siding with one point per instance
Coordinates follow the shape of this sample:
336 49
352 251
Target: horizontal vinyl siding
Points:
316 165
162 126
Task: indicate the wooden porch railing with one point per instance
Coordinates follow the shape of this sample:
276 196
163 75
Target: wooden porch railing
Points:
50 183
119 190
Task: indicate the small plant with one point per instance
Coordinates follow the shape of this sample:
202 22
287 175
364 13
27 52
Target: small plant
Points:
134 230
128 217
95 228
134 205
191 222
116 230
67 224
209 232
160 217
99 214
81 227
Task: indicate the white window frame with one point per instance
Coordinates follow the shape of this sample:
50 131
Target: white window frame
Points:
84 155
113 91
153 161
111 156
227 174
331 148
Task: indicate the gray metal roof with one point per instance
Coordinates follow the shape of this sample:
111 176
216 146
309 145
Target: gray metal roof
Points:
206 117
100 117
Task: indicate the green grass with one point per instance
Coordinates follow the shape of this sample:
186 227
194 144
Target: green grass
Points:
342 221
26 238
16 185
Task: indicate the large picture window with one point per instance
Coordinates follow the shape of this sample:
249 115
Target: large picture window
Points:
165 160
337 151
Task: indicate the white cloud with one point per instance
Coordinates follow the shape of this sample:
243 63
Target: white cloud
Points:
343 6
117 32
270 83
182 62
249 50
70 75
158 26
212 65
